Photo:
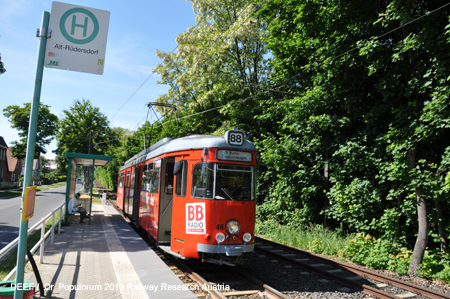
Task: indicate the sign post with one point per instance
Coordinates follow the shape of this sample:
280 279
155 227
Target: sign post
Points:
31 142
78 41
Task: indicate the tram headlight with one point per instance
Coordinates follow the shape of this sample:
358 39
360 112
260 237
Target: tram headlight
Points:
247 237
220 237
233 227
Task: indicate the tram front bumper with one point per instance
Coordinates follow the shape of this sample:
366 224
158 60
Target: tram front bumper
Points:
229 250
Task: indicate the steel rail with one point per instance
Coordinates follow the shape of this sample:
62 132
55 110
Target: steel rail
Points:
413 288
267 290
215 294
363 288
180 265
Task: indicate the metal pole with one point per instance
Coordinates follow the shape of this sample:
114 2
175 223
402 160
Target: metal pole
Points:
92 186
68 185
41 257
90 142
22 247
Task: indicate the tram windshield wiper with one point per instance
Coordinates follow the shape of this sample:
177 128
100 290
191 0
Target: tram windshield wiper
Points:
228 194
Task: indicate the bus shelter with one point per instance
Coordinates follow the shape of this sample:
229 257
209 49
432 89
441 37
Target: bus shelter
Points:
80 178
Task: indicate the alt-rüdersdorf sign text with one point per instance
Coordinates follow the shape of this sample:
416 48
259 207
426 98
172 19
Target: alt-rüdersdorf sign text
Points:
78 38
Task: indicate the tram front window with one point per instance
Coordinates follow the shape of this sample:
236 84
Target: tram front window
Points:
222 181
233 182
203 180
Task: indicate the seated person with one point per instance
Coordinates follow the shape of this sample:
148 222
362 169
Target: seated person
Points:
75 207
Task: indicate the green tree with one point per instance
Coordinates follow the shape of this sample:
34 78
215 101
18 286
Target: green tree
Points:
45 166
2 67
115 147
214 63
19 117
372 110
74 131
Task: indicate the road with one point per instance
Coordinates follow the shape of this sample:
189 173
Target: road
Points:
46 202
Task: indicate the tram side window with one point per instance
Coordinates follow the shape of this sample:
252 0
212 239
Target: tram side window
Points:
168 188
180 170
155 181
203 180
148 184
122 178
144 178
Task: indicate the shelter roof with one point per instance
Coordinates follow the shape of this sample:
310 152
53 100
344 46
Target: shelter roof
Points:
88 159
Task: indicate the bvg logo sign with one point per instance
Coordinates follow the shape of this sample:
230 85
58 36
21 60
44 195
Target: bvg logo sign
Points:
195 218
79 26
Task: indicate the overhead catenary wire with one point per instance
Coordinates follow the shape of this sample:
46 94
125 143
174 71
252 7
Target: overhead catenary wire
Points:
335 57
275 85
154 72
170 53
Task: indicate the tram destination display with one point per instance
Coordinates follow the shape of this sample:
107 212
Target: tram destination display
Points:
240 156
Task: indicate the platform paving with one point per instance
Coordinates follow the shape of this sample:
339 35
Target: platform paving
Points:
105 259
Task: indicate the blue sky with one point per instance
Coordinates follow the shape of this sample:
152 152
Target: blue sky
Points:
136 30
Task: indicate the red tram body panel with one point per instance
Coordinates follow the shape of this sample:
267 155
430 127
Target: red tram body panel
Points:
194 195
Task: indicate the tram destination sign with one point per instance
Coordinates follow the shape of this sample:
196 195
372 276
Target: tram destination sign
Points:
78 38
228 155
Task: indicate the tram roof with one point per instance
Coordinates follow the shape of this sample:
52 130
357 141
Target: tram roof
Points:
169 145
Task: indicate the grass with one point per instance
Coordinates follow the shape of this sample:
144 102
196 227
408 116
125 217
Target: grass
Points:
9 187
310 238
8 262
19 192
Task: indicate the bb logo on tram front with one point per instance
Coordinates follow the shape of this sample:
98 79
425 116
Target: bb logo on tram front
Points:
195 218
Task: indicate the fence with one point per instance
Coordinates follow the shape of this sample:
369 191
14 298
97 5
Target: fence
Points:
41 243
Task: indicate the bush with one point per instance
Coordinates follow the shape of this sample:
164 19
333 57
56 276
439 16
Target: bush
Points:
401 262
443 275
310 238
435 265
378 254
62 178
381 254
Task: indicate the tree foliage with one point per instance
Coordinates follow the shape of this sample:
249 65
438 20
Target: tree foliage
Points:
373 99
347 102
74 131
19 117
213 64
2 67
114 146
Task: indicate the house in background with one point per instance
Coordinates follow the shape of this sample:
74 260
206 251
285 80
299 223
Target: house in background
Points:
14 167
52 165
37 168
11 169
3 162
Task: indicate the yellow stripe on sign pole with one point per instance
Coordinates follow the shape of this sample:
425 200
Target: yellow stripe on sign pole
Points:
29 200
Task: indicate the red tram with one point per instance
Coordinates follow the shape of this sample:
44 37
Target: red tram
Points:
194 195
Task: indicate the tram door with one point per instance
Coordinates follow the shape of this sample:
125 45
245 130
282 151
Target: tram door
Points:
136 192
126 191
166 197
129 209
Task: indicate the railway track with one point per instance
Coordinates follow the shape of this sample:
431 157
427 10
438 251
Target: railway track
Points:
333 270
209 281
222 282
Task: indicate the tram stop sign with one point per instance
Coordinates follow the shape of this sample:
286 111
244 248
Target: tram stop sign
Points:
78 38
